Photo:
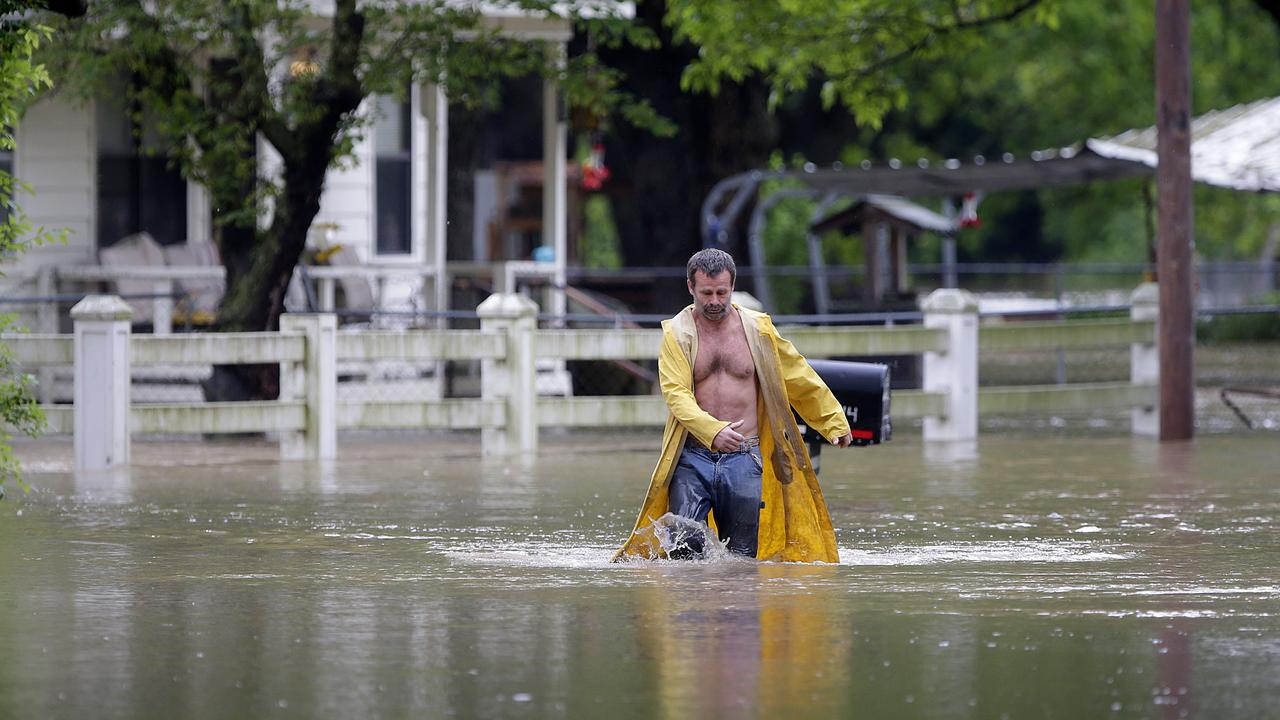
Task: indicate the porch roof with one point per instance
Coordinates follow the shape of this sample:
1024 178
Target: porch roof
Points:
518 21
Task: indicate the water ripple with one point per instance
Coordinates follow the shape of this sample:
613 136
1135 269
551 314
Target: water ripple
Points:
981 552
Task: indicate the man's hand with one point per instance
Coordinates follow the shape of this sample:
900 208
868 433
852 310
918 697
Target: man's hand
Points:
728 439
844 441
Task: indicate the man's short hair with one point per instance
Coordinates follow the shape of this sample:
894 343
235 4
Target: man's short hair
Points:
712 261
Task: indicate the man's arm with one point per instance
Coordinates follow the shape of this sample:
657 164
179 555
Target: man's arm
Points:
676 377
810 396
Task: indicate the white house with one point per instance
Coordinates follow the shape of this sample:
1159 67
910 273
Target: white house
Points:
390 206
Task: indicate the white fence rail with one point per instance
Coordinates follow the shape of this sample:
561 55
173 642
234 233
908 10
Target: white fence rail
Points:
509 345
160 287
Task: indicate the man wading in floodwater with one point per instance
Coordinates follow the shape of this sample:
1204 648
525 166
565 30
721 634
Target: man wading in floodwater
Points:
731 448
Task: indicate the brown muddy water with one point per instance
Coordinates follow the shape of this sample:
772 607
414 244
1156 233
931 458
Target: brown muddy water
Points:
1029 575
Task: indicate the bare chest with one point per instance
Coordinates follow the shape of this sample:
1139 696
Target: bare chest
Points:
723 354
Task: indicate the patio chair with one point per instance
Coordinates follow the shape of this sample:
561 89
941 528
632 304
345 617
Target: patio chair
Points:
138 250
201 297
354 293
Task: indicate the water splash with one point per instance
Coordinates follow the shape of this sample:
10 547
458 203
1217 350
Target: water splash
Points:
679 538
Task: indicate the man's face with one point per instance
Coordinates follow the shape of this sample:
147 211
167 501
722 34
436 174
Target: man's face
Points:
711 294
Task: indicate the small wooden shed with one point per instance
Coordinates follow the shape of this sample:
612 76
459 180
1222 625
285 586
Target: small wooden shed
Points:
903 220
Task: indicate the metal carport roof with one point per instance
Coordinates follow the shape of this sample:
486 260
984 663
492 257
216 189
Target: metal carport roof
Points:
1236 148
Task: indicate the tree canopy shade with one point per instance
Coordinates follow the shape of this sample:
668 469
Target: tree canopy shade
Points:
849 46
744 80
1059 73
1030 86
213 78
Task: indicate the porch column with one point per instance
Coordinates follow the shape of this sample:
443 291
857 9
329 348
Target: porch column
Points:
162 307
435 107
555 135
199 212
46 324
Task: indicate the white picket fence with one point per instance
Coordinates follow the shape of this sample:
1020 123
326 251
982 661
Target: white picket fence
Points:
509 345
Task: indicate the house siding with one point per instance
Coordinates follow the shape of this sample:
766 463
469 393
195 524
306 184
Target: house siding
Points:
55 156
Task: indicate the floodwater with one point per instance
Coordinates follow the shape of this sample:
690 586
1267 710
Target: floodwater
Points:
1019 577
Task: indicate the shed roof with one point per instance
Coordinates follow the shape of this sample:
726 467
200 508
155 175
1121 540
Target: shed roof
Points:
554 22
899 211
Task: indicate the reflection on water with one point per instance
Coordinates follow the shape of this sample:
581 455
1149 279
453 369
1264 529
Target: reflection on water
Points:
763 640
1018 577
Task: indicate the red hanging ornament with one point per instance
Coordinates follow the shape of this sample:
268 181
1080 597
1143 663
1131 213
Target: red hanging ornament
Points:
594 171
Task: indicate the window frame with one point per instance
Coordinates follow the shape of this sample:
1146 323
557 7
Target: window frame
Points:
140 166
409 143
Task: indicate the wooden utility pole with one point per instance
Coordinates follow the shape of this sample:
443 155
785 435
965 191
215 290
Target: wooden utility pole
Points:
1174 220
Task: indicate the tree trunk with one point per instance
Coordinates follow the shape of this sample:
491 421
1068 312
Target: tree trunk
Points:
658 184
259 265
258 274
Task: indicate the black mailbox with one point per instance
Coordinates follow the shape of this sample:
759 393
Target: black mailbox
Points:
862 389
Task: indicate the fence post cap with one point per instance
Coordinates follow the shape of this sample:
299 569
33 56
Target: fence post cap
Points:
1148 293
506 305
950 300
101 307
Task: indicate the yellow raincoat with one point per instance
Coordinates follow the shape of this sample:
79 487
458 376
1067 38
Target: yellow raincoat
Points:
794 523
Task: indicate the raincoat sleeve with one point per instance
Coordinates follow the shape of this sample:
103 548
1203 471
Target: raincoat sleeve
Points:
676 375
808 394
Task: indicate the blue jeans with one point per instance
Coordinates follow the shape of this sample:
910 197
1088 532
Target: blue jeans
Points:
729 484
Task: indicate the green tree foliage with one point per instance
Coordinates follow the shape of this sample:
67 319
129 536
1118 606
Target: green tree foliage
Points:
18 409
21 78
853 48
1087 71
1059 73
722 65
213 78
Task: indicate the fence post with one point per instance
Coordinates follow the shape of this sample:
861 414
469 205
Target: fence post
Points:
954 371
1144 358
315 382
101 390
510 379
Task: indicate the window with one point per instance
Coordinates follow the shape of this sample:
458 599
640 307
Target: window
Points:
393 173
137 190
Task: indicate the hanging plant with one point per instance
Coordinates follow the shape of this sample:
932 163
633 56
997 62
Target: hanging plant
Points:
594 171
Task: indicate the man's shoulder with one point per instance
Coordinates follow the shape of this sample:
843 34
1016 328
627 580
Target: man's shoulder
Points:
685 314
761 320
680 324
